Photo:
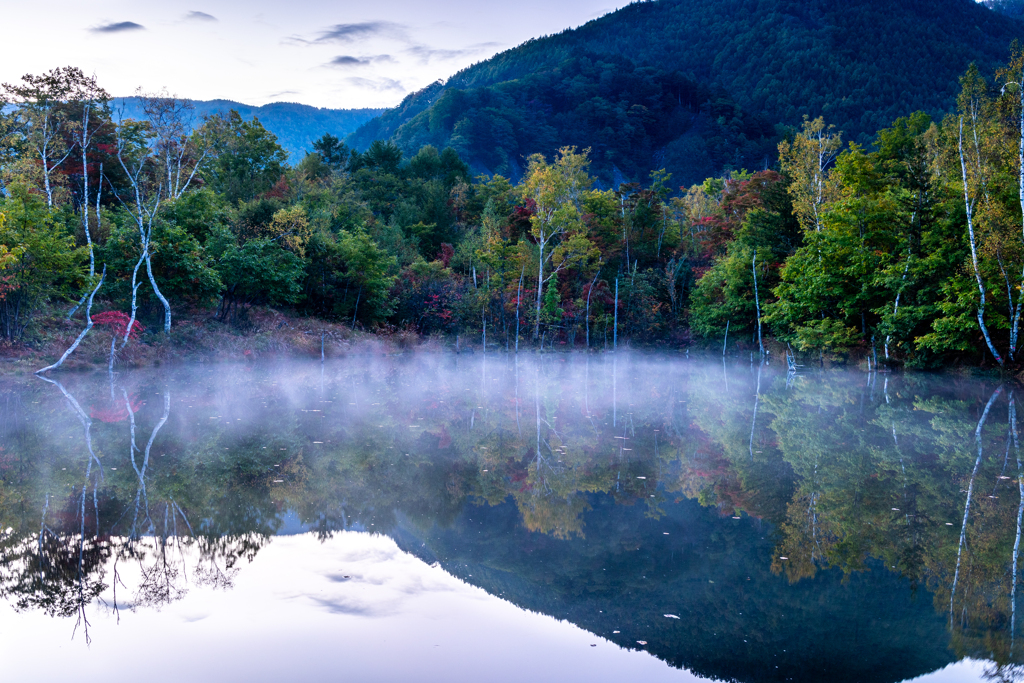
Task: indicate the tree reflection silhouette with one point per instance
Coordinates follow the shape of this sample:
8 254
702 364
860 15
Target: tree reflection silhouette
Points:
642 489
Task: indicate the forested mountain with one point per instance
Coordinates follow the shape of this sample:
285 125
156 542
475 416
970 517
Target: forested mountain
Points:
860 64
633 119
295 125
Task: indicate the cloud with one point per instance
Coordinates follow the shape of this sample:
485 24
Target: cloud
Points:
375 84
118 27
344 61
200 16
347 60
427 54
349 33
283 93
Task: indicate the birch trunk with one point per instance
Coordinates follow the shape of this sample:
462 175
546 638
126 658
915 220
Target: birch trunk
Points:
540 285
589 292
969 206
519 299
896 307
85 188
88 326
757 303
156 290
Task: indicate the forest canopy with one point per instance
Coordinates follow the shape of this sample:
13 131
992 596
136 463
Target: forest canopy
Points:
909 250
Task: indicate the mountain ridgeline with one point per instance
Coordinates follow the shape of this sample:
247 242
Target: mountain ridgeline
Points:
698 85
295 125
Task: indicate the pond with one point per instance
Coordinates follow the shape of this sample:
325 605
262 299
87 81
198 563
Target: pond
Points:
444 518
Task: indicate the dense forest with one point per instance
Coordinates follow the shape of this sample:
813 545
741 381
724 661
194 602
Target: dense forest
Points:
633 119
908 251
859 64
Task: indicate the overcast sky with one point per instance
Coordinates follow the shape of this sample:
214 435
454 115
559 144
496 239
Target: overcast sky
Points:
328 53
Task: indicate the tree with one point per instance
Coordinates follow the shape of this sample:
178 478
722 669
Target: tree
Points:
972 103
257 272
89 96
135 154
558 191
332 151
42 261
177 150
42 103
807 161
247 159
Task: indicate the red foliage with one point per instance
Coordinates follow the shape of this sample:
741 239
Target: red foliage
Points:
280 190
519 221
446 254
115 411
761 191
118 321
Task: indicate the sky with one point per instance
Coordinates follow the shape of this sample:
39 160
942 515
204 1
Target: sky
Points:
350 608
338 54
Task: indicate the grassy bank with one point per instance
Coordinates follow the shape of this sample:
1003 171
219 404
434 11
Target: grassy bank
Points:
196 336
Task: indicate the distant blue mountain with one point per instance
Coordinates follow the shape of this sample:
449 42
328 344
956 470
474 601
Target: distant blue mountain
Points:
295 125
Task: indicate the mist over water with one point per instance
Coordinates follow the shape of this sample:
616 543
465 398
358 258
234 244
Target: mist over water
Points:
439 516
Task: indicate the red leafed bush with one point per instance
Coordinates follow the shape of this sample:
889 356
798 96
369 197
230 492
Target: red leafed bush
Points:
118 321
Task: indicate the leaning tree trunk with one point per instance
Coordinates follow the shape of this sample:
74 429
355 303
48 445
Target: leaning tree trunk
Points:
88 326
156 290
969 206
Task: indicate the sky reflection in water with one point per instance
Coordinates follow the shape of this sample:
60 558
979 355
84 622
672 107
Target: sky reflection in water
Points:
546 518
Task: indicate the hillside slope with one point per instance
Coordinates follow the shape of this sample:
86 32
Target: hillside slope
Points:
860 63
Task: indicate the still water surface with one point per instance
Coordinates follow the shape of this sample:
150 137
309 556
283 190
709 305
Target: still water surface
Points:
559 518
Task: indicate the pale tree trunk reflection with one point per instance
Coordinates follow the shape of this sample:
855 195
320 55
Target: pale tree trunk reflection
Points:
970 492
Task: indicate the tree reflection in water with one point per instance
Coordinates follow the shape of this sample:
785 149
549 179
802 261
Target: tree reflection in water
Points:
789 487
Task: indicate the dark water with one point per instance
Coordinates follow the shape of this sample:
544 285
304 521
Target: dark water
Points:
557 518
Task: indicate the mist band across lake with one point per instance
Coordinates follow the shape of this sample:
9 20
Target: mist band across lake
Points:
444 519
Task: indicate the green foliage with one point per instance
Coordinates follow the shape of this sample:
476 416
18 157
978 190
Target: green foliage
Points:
200 213
181 264
247 159
257 272
349 276
41 261
626 113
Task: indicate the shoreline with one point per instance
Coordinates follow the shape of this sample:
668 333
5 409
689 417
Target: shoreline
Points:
197 337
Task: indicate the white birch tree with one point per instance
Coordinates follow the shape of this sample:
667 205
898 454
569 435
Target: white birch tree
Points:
42 103
557 227
135 153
